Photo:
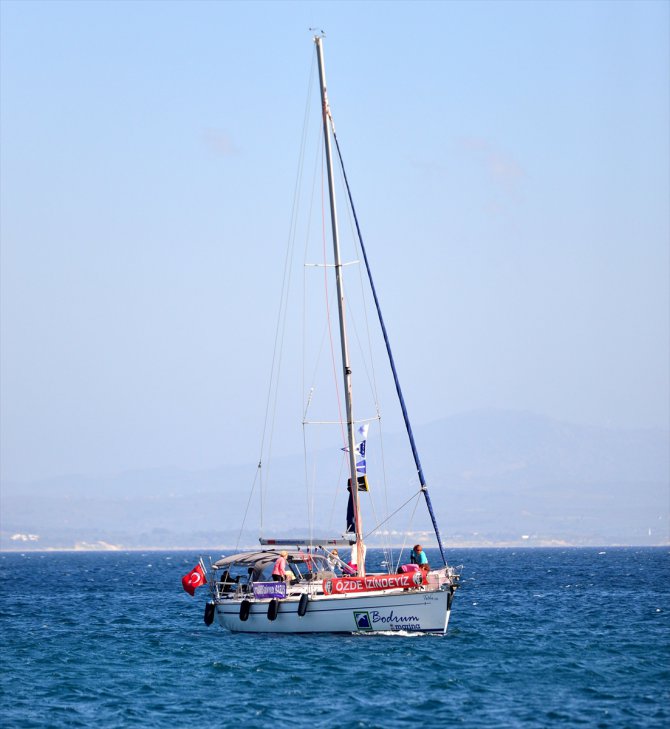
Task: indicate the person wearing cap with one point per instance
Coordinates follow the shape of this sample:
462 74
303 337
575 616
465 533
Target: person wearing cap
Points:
279 570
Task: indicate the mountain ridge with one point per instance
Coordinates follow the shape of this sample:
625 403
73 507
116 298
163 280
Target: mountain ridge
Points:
496 476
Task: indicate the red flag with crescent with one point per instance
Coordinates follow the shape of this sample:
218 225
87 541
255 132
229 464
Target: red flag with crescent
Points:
193 579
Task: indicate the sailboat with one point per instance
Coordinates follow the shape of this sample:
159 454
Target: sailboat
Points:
300 584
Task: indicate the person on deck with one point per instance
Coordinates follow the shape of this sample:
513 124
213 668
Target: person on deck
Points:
418 556
333 559
279 570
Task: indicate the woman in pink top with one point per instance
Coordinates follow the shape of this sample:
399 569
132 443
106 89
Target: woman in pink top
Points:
279 571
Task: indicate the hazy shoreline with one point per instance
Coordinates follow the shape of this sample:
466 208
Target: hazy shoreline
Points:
479 545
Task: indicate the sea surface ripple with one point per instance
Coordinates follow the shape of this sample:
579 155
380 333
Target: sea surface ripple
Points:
537 638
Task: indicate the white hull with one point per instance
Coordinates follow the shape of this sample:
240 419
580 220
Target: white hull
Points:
416 611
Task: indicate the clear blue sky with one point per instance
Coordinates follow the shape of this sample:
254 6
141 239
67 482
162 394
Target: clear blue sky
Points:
510 164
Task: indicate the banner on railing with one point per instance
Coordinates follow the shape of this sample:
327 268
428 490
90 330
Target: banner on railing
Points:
340 585
271 590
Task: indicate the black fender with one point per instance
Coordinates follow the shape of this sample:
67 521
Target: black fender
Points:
245 607
210 609
273 609
303 604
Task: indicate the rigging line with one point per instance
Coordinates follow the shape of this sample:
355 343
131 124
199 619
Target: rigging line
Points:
337 422
326 333
336 490
309 482
403 407
317 362
246 511
371 379
390 516
316 445
372 372
382 455
283 300
326 330
330 330
387 546
304 276
374 513
404 541
363 361
331 265
308 496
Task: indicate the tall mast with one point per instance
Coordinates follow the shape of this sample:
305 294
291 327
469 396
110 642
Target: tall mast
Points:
346 368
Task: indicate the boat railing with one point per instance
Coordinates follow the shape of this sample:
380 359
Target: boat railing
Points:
442 579
223 587
232 588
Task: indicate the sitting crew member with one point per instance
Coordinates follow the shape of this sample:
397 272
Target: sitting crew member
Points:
279 570
418 556
227 581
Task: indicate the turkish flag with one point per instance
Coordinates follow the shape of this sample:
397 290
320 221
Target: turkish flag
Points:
193 579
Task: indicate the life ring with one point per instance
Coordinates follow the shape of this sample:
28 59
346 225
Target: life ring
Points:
302 605
245 607
273 609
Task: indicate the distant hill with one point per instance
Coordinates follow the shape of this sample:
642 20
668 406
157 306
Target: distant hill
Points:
495 477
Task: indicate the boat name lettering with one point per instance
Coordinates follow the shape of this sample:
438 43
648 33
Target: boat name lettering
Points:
341 585
396 621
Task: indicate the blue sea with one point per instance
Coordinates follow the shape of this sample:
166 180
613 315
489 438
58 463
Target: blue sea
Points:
537 638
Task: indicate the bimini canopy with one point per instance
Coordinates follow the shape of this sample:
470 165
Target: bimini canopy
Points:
257 559
258 564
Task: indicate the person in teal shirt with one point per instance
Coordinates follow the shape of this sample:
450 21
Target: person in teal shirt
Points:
418 556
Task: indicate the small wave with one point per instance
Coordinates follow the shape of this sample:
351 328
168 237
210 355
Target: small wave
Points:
401 633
